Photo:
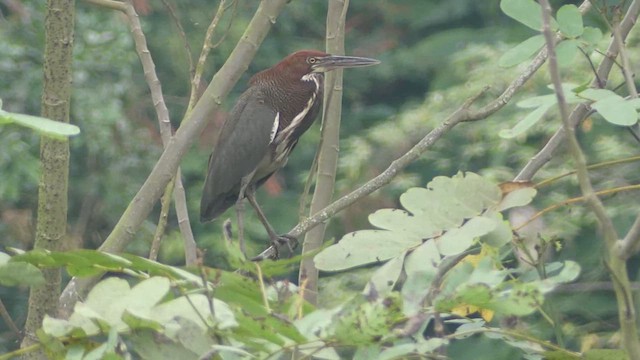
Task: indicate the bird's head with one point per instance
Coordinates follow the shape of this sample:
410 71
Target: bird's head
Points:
305 62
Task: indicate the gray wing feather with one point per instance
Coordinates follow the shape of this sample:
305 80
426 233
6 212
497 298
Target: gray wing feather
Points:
243 142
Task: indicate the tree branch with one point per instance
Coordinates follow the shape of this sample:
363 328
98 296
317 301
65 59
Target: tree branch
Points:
328 152
143 202
54 159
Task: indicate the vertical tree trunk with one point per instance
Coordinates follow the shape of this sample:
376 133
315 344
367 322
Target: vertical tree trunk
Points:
328 157
54 157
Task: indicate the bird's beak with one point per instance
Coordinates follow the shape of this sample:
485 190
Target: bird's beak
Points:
332 62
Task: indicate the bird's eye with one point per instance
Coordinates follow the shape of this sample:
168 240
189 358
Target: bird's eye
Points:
311 60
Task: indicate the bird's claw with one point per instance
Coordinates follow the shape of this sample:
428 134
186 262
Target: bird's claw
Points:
288 240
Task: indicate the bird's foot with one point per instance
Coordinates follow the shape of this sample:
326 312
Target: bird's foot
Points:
273 251
283 240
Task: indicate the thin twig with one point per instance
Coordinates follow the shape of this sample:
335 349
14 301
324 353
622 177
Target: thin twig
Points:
575 200
183 35
599 165
204 53
9 321
162 221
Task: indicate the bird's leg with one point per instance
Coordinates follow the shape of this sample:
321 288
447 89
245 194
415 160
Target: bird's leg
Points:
244 184
276 240
240 219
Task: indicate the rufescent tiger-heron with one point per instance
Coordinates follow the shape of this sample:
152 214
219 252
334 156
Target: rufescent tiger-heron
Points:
264 127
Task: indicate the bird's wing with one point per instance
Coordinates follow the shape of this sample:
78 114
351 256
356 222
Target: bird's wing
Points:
243 142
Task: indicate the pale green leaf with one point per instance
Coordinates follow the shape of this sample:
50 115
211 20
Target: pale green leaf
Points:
635 103
56 327
522 51
616 110
566 52
424 258
457 240
422 347
15 273
527 12
525 124
519 197
597 94
537 101
591 35
194 308
570 21
385 278
44 126
363 247
501 235
402 222
413 291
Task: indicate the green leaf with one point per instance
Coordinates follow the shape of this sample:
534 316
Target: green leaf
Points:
597 94
519 197
537 101
527 12
195 308
423 347
591 36
15 273
56 327
521 52
566 52
149 346
44 126
190 336
457 240
525 124
403 222
363 247
635 103
499 236
413 291
616 110
423 258
570 21
443 207
385 278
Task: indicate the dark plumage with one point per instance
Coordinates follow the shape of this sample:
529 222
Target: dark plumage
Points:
256 139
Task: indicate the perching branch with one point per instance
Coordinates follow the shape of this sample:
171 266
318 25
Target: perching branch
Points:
143 202
617 267
328 151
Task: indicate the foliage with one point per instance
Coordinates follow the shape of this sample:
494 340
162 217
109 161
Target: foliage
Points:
168 312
